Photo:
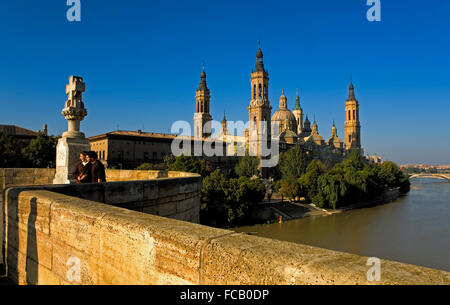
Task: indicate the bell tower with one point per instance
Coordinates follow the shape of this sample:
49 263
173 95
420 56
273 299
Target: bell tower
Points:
259 111
298 113
352 126
202 118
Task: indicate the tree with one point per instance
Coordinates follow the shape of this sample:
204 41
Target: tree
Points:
190 164
389 173
290 187
169 160
41 151
215 209
293 162
229 202
247 166
9 151
332 190
310 178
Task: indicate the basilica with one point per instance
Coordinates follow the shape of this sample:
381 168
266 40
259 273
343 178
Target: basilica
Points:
288 126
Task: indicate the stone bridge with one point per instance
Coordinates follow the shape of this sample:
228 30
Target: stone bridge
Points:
435 176
116 233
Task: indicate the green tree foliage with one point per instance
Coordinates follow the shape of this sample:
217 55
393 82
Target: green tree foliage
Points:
290 187
293 162
10 155
169 160
309 180
392 176
151 166
331 191
190 164
351 181
229 202
41 151
247 166
389 173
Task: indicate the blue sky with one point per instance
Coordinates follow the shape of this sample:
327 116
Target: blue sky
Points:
141 61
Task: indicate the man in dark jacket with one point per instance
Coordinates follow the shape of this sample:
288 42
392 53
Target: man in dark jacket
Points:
82 171
97 168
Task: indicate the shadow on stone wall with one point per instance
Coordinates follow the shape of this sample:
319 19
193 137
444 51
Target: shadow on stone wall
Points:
31 266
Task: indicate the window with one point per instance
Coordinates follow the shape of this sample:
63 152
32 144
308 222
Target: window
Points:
349 116
254 91
154 155
354 114
259 90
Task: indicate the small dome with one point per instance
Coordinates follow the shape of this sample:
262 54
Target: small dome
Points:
288 133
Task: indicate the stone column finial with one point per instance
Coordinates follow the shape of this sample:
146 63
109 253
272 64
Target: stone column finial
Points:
74 111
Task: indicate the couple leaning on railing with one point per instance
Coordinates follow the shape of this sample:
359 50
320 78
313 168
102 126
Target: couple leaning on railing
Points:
89 169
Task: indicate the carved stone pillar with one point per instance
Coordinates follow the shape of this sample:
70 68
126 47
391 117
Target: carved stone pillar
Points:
73 141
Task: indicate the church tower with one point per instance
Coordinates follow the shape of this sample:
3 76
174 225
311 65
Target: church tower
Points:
352 126
259 110
298 113
202 118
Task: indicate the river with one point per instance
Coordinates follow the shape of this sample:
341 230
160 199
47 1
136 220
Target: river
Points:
414 229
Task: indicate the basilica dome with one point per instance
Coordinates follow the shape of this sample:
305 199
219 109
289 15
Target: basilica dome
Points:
284 117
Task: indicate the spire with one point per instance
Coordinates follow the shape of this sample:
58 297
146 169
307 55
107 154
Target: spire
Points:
351 91
224 118
283 100
203 78
259 59
314 125
333 130
297 102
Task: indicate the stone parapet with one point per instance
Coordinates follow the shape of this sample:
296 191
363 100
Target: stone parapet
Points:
25 176
48 234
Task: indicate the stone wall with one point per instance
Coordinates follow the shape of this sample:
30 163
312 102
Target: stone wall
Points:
49 234
129 175
176 196
25 176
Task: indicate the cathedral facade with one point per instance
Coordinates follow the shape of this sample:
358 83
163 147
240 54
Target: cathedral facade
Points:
289 127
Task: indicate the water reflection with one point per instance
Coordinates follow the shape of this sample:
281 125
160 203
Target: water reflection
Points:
414 229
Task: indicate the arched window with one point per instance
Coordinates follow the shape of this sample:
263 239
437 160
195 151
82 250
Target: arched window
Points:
254 91
354 114
259 90
349 116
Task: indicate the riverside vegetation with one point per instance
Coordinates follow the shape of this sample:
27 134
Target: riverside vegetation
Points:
231 198
351 181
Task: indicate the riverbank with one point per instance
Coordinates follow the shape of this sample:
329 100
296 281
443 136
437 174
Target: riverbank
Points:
277 207
413 229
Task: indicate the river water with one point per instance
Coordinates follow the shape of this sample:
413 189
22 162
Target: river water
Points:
414 229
